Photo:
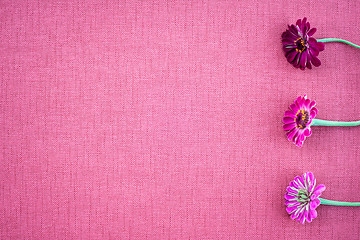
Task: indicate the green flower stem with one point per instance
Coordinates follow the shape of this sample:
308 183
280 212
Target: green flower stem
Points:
324 40
319 122
337 203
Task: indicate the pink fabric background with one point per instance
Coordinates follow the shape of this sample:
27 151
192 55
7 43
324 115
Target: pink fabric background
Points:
162 119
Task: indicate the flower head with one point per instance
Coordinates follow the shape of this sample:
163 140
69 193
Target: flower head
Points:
298 118
302 198
301 49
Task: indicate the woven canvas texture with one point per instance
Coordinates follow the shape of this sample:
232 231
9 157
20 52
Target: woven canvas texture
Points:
163 119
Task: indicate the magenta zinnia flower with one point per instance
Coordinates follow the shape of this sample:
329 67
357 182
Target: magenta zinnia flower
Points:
301 49
302 198
298 119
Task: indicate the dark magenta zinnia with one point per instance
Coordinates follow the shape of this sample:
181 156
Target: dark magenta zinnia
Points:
301 49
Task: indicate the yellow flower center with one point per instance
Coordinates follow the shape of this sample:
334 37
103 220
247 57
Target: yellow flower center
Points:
301 118
300 45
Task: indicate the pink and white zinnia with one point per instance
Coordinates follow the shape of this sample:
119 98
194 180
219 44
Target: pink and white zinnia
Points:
297 120
302 198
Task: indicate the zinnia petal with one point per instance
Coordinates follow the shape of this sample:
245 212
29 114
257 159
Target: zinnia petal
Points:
307 216
313 213
321 46
303 60
307 132
312 31
288 120
313 113
289 126
315 203
292 133
289 113
315 61
291 55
